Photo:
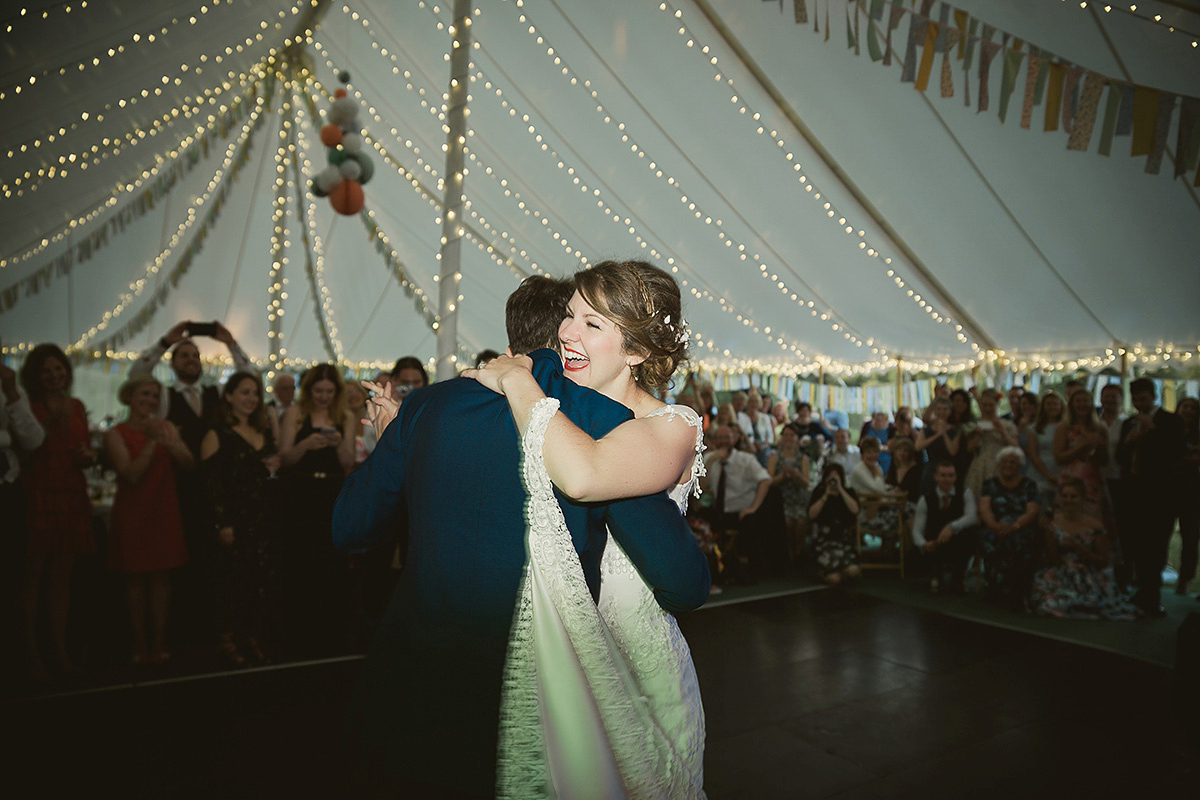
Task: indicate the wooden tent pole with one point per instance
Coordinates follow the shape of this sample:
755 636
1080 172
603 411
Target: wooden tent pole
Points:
899 383
452 201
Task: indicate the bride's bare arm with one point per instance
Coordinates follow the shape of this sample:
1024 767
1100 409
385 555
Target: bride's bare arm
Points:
639 457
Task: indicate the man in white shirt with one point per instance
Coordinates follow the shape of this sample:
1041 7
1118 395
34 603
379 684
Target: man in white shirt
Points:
738 484
188 403
843 452
943 529
758 426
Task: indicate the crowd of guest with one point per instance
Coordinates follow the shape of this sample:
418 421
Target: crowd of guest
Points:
970 492
219 532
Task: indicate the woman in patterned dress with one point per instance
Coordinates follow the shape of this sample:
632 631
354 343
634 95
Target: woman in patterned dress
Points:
239 462
1008 508
1079 582
789 469
833 513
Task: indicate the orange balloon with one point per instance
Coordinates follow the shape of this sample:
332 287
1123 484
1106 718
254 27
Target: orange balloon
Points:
339 92
331 135
347 198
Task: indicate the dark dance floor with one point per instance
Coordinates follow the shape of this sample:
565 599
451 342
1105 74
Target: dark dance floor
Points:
821 694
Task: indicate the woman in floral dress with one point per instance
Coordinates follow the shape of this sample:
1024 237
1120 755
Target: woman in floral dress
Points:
1080 583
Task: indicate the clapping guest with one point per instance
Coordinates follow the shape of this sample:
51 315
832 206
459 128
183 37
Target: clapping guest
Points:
1080 450
832 513
789 468
779 416
905 473
317 450
1009 508
59 518
1078 583
810 427
1025 418
1041 448
146 527
867 478
843 452
240 461
758 427
939 440
985 438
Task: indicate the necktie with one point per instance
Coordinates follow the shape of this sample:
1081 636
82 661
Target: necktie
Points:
720 504
945 502
192 395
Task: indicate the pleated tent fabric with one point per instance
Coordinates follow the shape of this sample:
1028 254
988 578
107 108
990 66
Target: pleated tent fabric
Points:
814 206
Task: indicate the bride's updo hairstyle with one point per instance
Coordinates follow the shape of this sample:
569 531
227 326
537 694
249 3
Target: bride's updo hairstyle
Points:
644 303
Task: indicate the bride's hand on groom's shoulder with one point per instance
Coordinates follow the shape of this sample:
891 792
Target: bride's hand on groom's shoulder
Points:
495 372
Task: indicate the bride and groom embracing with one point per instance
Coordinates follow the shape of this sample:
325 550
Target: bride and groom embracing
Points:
520 656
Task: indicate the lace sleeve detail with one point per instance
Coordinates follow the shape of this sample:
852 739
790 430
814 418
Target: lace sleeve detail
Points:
690 416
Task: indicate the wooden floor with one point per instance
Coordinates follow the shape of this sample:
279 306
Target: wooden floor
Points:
821 694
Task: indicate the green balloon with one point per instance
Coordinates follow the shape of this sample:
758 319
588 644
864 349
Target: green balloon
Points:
317 190
337 155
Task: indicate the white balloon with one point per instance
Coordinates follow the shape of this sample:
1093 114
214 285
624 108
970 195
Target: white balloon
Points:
328 178
350 169
351 142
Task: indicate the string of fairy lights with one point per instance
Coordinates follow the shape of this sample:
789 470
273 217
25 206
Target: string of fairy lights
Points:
155 265
112 146
314 249
293 149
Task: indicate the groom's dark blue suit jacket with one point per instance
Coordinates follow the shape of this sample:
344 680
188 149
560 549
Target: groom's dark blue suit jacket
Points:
431 685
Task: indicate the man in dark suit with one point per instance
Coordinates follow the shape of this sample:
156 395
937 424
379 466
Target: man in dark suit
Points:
1151 455
428 712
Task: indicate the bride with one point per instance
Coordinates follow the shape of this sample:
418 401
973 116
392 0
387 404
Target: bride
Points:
632 724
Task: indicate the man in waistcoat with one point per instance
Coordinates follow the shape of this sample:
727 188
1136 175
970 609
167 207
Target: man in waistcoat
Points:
944 529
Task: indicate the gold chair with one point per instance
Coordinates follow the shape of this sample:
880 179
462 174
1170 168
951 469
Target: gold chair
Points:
895 535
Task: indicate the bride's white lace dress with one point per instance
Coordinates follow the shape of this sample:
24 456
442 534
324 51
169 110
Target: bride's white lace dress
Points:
598 701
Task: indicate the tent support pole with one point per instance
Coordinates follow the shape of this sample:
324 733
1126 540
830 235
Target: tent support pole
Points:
452 201
899 383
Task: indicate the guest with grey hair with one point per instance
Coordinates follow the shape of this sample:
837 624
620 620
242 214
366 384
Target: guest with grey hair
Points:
1008 508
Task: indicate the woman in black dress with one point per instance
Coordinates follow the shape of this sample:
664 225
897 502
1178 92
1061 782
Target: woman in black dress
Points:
316 445
239 462
833 515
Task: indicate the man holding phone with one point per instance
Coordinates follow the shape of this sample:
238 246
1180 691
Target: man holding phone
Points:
187 403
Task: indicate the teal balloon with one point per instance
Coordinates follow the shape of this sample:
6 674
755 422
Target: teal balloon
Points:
366 164
317 190
337 155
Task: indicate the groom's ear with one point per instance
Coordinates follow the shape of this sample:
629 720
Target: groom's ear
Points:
508 352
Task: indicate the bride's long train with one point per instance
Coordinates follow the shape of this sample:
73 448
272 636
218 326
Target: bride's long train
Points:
596 702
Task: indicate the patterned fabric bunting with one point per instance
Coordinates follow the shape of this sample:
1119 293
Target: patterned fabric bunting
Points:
1085 114
800 10
931 32
1031 82
893 21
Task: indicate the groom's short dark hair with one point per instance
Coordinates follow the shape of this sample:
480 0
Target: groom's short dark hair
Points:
534 312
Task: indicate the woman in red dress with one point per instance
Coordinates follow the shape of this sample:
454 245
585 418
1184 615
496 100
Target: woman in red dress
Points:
59 511
146 529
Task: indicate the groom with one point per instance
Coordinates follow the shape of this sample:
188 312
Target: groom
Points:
428 711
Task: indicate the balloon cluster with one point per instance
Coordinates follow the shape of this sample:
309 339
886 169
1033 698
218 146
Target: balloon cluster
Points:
349 168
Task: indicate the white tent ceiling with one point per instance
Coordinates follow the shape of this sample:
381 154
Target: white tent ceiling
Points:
597 130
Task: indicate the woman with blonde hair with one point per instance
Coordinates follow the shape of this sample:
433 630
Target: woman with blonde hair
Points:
146 528
316 446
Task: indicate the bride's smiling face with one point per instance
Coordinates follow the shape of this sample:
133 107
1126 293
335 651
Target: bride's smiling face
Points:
592 348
